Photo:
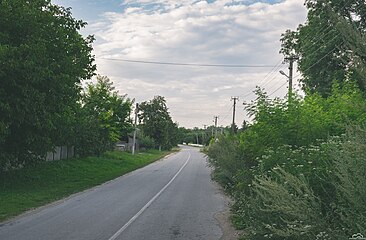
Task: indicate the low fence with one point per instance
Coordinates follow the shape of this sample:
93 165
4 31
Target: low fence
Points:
60 153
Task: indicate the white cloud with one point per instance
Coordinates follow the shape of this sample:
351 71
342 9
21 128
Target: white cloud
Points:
194 32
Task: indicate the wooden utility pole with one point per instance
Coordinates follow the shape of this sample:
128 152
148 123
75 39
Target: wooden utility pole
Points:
134 132
204 135
216 117
290 76
234 106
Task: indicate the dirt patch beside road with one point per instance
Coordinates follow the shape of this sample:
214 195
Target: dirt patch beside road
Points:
229 232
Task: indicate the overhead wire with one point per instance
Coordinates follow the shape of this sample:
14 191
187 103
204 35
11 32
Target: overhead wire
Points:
269 74
272 70
186 64
275 76
305 69
326 27
278 67
313 65
318 38
227 114
322 39
277 89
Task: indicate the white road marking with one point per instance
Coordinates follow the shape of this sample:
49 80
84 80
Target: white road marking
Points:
124 227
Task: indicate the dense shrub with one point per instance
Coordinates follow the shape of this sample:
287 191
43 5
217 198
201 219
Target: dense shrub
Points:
223 157
146 141
349 168
297 171
280 206
321 198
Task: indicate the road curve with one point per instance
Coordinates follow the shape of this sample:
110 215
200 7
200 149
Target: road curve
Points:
173 198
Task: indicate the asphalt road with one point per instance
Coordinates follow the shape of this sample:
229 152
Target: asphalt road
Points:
173 198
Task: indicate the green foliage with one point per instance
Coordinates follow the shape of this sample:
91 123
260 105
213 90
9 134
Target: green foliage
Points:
224 158
145 141
295 173
43 59
349 168
104 118
280 207
157 123
195 135
316 194
329 44
301 122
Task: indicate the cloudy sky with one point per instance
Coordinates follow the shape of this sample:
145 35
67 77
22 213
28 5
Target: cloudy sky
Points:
239 37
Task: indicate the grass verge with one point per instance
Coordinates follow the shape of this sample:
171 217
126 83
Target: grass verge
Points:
34 186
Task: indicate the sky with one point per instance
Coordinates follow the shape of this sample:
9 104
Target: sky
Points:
244 34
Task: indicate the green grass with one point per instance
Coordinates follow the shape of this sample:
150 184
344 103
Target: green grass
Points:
34 186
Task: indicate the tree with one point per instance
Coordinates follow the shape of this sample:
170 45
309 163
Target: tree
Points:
106 116
157 123
196 135
355 41
43 60
325 54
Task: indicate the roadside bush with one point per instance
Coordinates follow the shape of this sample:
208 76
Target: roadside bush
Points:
290 194
298 171
350 181
146 141
224 157
312 162
327 202
281 206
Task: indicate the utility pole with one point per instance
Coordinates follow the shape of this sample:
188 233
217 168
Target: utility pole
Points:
234 106
291 60
204 135
134 132
216 117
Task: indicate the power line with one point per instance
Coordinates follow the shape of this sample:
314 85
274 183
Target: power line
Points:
248 94
321 37
318 41
273 71
311 65
277 89
187 64
319 60
274 76
266 83
323 33
324 29
227 114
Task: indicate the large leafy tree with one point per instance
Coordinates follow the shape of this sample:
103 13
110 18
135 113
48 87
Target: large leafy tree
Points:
325 49
105 117
43 59
157 123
